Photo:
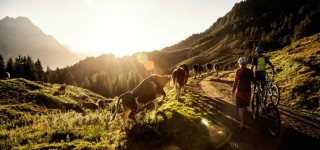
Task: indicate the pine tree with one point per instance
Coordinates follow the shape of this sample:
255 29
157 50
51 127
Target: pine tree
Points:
39 70
10 67
86 83
48 75
66 77
29 70
2 69
18 67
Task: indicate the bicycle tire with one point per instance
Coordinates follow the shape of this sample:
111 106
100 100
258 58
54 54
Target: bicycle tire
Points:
275 95
273 120
255 106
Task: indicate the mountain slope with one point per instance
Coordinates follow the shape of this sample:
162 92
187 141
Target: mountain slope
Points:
19 36
299 75
270 23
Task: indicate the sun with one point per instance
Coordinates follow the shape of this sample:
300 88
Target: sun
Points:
117 29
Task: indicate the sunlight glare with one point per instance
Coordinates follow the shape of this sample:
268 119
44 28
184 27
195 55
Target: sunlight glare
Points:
205 122
143 59
116 28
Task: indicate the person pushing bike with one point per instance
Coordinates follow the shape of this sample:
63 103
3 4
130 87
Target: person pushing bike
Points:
258 65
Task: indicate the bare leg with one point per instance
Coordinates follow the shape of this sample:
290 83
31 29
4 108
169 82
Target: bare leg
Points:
241 115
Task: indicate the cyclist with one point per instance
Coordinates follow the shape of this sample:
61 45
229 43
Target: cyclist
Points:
242 83
259 66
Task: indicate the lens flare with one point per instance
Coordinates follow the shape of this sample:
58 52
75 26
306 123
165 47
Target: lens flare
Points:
149 65
205 122
142 58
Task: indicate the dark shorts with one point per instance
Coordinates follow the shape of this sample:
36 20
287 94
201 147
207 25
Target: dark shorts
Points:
243 99
260 76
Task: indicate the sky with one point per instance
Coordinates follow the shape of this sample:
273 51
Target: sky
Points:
121 27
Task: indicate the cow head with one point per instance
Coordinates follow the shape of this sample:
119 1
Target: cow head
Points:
162 80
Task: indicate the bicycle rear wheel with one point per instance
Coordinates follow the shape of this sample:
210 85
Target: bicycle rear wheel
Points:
274 94
273 119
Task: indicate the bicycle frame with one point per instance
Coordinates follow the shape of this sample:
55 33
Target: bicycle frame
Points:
269 82
272 90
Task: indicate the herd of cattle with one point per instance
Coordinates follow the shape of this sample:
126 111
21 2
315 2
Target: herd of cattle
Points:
133 101
145 93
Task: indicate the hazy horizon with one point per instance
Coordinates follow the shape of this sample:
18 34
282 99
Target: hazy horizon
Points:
120 27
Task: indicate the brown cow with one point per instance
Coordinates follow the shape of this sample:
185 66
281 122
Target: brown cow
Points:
179 77
133 101
216 68
209 67
195 70
200 70
186 69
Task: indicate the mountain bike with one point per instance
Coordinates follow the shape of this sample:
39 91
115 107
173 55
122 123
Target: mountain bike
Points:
272 90
269 112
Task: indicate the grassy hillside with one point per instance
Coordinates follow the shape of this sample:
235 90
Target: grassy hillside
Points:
298 73
298 67
20 95
30 120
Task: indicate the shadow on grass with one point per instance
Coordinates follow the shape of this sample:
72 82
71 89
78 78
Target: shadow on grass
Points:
174 131
221 81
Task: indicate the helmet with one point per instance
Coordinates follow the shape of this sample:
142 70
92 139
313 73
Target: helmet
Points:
242 60
258 49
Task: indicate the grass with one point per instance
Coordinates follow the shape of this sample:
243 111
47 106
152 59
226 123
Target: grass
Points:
298 73
31 119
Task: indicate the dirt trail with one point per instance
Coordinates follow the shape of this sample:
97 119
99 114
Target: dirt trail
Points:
298 131
253 136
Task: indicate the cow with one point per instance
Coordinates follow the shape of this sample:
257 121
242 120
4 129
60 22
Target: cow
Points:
133 101
200 70
209 67
90 105
179 77
216 68
186 69
72 106
195 68
103 103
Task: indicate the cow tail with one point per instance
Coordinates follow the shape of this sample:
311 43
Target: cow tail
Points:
176 83
116 109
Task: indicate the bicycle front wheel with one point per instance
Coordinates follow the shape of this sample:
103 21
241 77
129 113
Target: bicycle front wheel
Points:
255 106
274 94
273 119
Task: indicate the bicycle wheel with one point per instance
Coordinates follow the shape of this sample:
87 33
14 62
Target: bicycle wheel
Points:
255 106
274 94
273 119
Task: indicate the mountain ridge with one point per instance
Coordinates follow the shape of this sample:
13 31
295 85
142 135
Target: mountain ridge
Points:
19 36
